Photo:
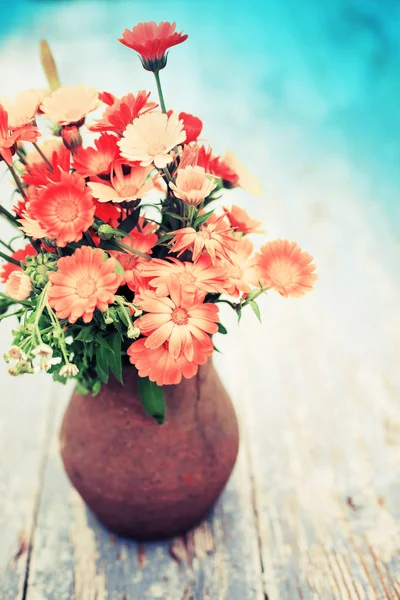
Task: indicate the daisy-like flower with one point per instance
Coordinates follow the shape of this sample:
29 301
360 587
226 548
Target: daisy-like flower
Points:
240 274
18 286
70 105
151 42
20 256
151 137
69 370
285 267
124 188
22 111
241 222
192 185
8 139
246 180
201 276
63 209
143 242
217 166
177 319
83 282
90 162
121 112
161 367
48 147
214 240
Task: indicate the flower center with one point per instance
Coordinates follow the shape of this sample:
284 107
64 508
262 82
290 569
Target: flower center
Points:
41 269
283 273
86 287
186 277
180 316
236 272
66 210
156 148
206 235
128 191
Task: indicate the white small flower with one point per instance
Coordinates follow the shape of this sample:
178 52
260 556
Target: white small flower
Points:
138 313
69 370
69 339
42 350
133 332
16 353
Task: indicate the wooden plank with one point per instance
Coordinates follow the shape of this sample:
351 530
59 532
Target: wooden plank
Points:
75 558
24 424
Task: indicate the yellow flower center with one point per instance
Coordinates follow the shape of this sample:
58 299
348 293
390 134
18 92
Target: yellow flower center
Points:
66 210
128 191
156 148
86 287
235 272
180 316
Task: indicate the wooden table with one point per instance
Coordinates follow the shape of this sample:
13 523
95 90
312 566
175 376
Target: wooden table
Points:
310 511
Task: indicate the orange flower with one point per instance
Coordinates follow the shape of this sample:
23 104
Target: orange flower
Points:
201 276
192 185
214 240
283 266
124 188
27 133
68 105
151 42
90 162
240 273
120 113
151 137
22 111
131 263
241 222
20 256
64 209
178 319
161 367
84 281
18 286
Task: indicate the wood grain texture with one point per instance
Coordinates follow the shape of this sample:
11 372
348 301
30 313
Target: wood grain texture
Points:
24 425
74 557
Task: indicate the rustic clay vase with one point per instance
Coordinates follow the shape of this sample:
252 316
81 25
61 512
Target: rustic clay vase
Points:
145 480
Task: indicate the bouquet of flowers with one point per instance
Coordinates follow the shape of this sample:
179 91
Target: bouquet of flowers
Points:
123 250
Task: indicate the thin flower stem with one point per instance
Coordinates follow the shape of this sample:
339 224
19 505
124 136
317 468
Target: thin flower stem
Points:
159 90
7 246
46 160
10 259
89 239
17 180
22 157
168 175
260 291
132 250
9 216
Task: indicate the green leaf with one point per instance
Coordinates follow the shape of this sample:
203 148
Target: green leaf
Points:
255 309
221 329
114 341
102 364
174 216
153 400
202 219
165 238
130 222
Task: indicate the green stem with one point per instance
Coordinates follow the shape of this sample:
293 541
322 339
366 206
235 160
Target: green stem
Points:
17 180
132 250
159 90
9 216
260 291
10 259
7 246
89 239
46 160
22 157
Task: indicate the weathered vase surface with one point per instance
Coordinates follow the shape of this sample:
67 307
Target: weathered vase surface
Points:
145 480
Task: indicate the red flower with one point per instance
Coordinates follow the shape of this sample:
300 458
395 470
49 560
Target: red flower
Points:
151 42
215 165
121 113
27 133
192 125
90 162
107 98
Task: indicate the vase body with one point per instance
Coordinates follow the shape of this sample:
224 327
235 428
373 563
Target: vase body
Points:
141 479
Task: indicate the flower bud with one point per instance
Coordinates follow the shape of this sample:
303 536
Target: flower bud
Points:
105 232
133 332
18 286
71 137
38 268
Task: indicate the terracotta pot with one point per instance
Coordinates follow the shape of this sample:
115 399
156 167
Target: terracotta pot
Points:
145 480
